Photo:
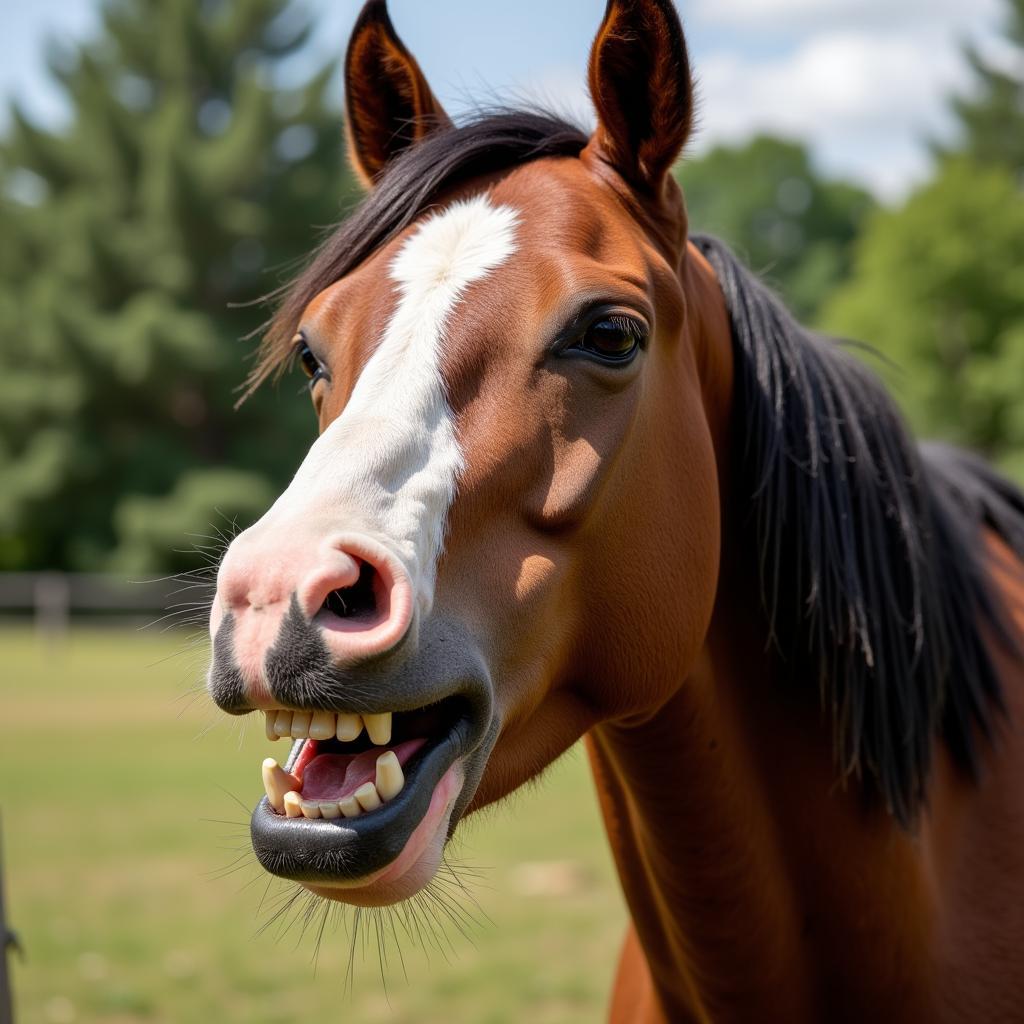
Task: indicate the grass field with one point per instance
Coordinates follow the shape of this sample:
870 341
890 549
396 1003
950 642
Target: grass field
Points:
119 794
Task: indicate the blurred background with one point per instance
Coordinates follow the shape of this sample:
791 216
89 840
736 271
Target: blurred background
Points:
163 165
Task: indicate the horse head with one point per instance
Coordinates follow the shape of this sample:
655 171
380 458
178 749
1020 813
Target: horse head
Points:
507 530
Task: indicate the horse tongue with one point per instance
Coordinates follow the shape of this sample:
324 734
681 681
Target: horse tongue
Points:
333 776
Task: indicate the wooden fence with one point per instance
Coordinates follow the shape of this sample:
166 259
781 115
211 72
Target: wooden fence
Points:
53 599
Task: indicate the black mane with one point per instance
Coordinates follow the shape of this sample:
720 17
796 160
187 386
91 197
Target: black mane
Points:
872 564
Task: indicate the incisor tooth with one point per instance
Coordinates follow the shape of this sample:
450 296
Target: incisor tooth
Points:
283 723
268 724
277 782
322 726
390 779
378 728
310 808
293 805
367 796
349 726
349 806
329 809
300 724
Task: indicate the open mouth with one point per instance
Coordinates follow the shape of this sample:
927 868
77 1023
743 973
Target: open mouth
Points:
360 795
348 765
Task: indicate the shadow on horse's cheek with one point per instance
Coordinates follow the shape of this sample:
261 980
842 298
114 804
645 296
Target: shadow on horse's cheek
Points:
586 428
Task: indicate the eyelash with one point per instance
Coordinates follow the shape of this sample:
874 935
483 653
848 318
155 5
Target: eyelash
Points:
627 325
586 341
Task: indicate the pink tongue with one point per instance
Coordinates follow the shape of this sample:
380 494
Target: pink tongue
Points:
333 776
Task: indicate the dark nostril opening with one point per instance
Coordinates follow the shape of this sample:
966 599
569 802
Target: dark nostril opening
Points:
357 601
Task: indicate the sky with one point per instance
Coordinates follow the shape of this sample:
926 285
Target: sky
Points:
864 82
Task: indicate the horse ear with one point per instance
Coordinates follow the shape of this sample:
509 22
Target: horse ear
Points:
388 104
639 77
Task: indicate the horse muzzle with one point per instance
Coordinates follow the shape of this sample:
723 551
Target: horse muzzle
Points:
386 757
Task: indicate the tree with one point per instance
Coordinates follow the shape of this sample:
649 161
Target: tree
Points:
765 199
130 236
938 289
991 116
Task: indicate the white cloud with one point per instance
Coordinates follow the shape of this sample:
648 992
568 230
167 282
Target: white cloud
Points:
866 101
803 16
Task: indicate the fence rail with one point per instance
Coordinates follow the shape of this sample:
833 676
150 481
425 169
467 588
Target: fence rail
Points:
53 599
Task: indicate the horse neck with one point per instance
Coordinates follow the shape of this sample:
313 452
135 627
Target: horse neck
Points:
754 879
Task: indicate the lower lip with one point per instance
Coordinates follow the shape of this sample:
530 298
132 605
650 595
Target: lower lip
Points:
415 865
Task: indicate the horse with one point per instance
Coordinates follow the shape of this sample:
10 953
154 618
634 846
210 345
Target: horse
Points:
580 474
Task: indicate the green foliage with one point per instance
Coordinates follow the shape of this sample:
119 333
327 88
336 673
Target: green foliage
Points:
938 285
938 288
991 116
185 172
786 222
160 530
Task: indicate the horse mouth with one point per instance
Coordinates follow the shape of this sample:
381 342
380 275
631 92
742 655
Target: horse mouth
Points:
362 797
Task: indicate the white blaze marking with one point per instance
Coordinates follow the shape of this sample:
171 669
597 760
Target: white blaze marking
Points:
388 465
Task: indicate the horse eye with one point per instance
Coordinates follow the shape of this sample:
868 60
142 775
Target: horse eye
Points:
614 339
310 364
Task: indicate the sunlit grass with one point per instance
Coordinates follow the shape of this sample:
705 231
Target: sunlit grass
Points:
131 884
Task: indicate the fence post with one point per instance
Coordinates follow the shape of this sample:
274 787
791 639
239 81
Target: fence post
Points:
52 597
8 941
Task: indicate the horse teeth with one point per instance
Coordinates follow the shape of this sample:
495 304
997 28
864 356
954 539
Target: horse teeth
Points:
390 778
378 728
349 807
325 725
301 723
269 718
367 796
284 791
278 783
322 726
349 727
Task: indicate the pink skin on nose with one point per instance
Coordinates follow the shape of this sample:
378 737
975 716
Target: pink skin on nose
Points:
258 578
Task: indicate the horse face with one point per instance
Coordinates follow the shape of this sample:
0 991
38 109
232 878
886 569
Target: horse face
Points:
468 570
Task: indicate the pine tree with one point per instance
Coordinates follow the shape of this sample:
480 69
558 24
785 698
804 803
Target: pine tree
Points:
187 181
991 116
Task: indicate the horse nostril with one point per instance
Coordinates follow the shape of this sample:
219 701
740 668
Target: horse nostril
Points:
357 601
